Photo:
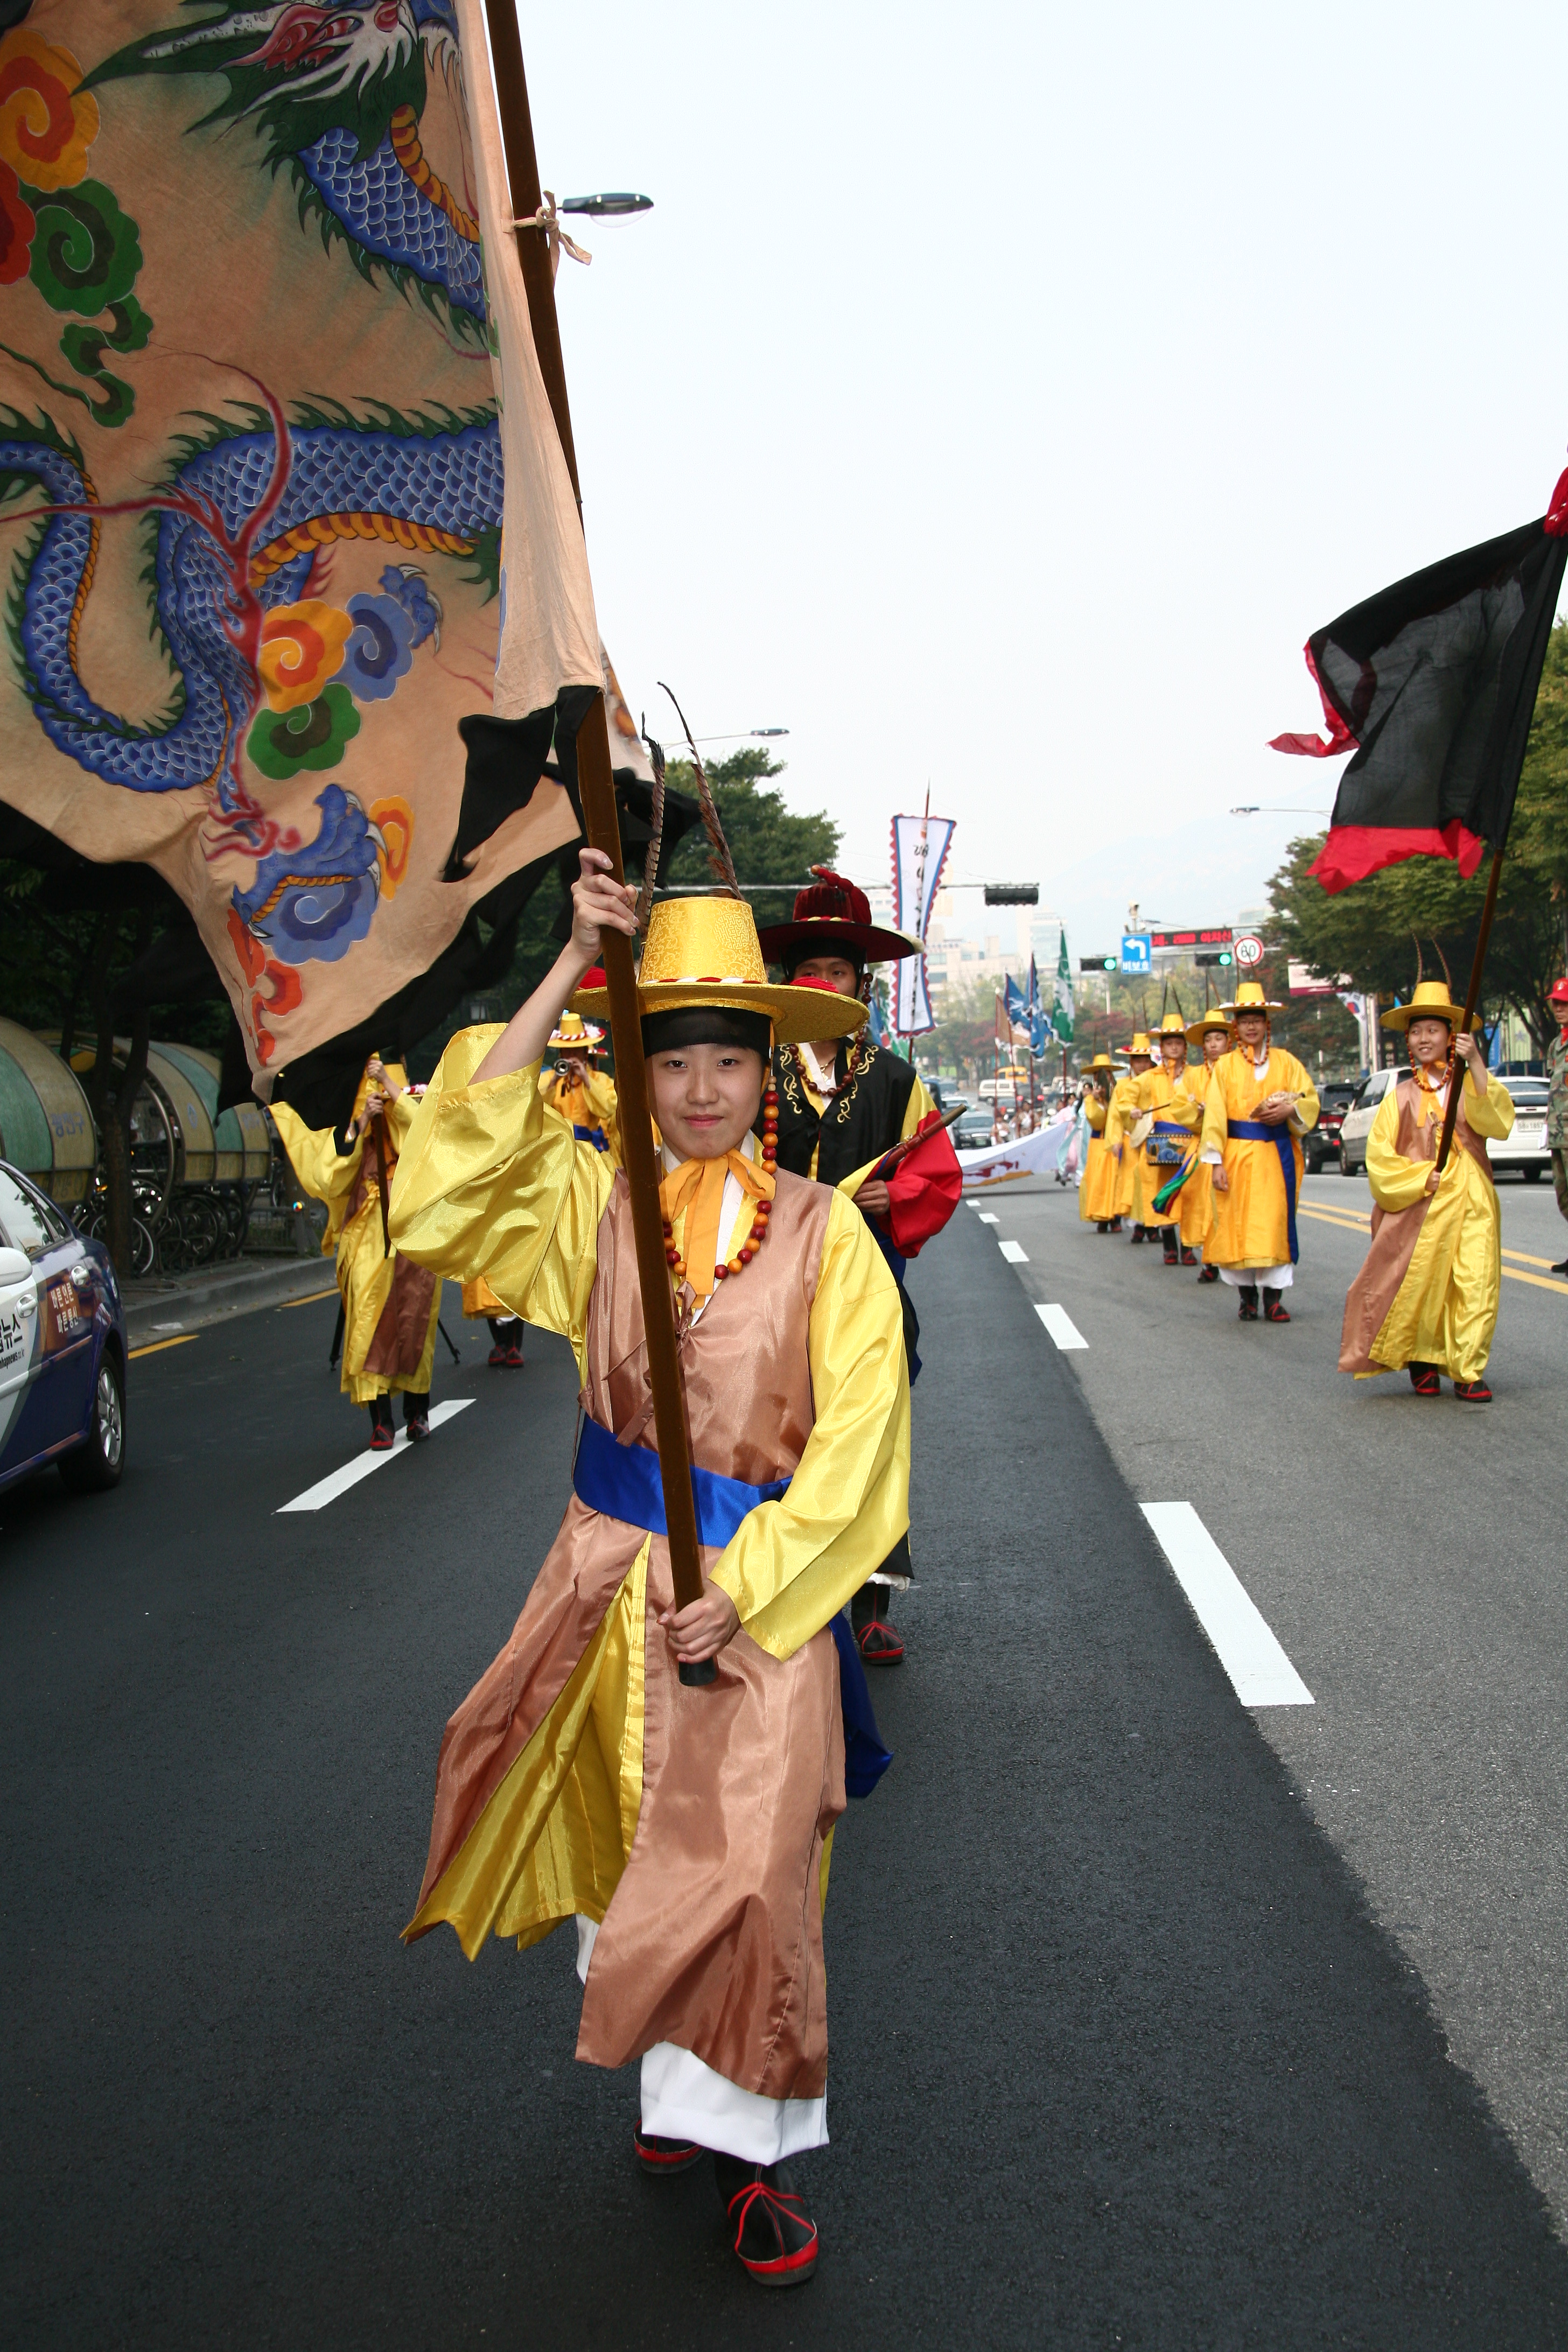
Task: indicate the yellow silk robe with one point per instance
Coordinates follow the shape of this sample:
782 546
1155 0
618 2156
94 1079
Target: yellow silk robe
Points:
1251 1227
366 1273
1444 1311
1197 1193
1101 1173
1120 1120
486 1175
1164 1097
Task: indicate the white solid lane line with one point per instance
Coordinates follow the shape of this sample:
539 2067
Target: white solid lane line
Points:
327 1490
987 1218
1061 1327
1013 1254
1261 1672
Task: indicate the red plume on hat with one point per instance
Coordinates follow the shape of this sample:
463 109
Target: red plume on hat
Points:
833 917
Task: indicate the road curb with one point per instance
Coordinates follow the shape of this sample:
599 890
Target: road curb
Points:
217 1297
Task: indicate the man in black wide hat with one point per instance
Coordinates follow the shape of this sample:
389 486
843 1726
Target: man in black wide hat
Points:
840 1111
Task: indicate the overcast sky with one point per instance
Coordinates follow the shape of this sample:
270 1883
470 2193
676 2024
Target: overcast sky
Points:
999 396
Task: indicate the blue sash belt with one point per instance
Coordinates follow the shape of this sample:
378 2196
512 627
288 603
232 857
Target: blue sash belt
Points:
594 1135
1253 1131
624 1483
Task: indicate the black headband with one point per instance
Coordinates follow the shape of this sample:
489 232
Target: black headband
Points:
707 1024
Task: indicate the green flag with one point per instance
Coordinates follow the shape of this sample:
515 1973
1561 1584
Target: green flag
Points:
1062 1007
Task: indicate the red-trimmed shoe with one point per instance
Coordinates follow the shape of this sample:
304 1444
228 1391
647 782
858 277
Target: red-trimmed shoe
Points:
383 1437
1116 1225
1273 1309
1209 1274
1189 1256
1472 1392
1423 1380
1171 1258
879 1645
774 2235
1139 1234
513 1358
1246 1307
661 2157
498 1354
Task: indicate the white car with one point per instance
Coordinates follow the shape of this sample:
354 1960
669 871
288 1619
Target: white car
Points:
1525 1150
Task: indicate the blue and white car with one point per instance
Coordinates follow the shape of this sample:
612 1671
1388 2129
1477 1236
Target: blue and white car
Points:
62 1345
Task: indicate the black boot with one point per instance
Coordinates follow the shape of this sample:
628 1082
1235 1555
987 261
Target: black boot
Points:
1247 1310
769 2227
1274 1307
870 1620
1171 1245
381 1428
415 1415
1139 1234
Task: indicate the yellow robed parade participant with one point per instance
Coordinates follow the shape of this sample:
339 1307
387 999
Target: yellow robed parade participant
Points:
1098 1185
584 1098
1173 1110
1208 1037
1260 1102
1121 1118
684 1831
391 1306
1427 1295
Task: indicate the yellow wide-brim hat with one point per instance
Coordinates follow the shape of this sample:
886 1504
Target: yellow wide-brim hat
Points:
1139 1045
1429 1002
1100 1062
705 952
1210 1022
571 1031
1249 998
1172 1025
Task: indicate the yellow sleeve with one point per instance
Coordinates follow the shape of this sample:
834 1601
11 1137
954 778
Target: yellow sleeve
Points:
1305 1114
1115 1115
1217 1123
793 1564
1396 1182
487 1184
399 1116
1489 1114
1094 1111
325 1172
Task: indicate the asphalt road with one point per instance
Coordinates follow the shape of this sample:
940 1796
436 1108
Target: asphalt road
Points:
1409 1557
1122 2056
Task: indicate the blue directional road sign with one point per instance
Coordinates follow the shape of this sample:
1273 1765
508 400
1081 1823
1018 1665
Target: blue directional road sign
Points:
1135 953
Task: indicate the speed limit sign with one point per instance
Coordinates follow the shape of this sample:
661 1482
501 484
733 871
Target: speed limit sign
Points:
1250 948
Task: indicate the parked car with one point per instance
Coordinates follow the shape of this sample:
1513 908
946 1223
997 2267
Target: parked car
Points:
1355 1124
1526 1148
972 1132
1321 1143
62 1345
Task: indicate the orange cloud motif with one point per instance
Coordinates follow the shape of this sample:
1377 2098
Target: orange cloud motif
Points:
393 821
301 648
45 125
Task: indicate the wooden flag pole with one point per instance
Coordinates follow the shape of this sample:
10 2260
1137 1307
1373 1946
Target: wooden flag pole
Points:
1483 940
596 789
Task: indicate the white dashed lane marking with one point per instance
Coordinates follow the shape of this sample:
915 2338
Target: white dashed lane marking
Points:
986 1217
1260 1671
1013 1252
1061 1327
327 1490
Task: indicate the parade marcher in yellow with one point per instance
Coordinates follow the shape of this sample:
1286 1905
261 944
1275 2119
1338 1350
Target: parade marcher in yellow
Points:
1120 1119
391 1306
1427 1296
584 1098
684 1830
1101 1175
1170 1113
1209 1036
1260 1102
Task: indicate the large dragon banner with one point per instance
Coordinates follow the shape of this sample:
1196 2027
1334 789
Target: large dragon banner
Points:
251 387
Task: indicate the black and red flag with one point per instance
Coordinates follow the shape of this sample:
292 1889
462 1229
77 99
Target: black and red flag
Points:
1433 682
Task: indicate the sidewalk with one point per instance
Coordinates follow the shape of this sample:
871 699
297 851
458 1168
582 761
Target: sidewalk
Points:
170 1304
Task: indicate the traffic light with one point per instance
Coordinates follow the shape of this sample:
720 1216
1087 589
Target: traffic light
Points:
1100 963
1211 956
1012 894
